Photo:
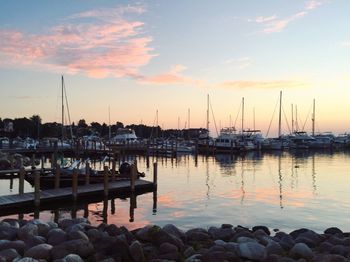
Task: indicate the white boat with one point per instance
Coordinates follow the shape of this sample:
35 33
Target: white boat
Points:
227 140
124 135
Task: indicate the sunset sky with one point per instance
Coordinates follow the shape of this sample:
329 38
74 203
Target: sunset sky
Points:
136 57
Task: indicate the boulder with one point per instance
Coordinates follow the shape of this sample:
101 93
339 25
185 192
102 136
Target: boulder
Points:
252 250
41 251
301 250
136 251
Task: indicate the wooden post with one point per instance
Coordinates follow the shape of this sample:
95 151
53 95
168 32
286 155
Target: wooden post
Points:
113 169
75 184
133 175
52 160
105 181
87 173
33 161
21 180
155 174
57 176
42 164
36 188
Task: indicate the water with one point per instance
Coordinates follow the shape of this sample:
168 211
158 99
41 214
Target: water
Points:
285 191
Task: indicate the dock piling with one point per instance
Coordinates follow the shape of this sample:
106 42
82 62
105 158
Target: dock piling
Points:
113 169
75 184
57 176
36 188
87 173
155 173
21 180
105 181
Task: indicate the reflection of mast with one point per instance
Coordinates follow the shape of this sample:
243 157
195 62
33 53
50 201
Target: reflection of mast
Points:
242 182
313 174
207 179
280 179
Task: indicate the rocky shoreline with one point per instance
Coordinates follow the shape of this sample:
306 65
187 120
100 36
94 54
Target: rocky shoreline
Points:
75 240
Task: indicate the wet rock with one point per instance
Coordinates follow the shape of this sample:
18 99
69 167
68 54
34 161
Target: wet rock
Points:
34 241
245 240
310 243
41 251
226 226
301 250
295 233
73 258
11 221
252 251
287 242
43 229
274 248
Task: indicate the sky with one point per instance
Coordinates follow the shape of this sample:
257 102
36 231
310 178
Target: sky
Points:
126 60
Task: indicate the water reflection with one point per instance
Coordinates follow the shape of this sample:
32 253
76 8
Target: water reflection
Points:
277 189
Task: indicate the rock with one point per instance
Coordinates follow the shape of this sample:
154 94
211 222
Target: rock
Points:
263 228
144 234
81 247
329 258
9 254
173 230
94 234
301 250
252 251
221 233
245 239
26 259
194 258
325 247
113 246
8 232
27 231
219 256
242 233
18 245
150 252
294 234
41 251
333 231
136 251
340 250
73 258
129 236
56 236
287 242
77 235
189 252
43 229
113 230
310 243
311 235
168 248
198 235
34 241
11 221
226 226
65 223
274 248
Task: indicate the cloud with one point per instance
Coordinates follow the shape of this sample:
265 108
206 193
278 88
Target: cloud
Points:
273 24
173 76
239 84
97 43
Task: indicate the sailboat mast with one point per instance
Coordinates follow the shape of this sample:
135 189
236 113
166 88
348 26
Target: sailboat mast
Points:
292 119
313 119
208 113
242 115
109 123
62 82
279 116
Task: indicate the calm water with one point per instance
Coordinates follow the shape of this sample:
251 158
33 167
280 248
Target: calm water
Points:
285 191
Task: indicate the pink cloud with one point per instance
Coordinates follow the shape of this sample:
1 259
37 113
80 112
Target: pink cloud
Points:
173 76
112 46
272 24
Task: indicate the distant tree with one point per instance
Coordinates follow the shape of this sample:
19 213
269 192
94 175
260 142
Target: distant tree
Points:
82 123
36 121
96 127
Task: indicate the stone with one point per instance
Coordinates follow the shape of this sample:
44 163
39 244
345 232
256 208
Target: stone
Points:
168 248
18 245
329 258
221 233
245 239
173 230
189 252
8 232
95 234
340 250
27 231
301 250
11 221
129 236
113 230
144 234
295 233
333 231
41 251
56 236
43 229
226 226
252 251
274 248
325 247
136 251
77 235
9 254
26 259
73 258
81 247
263 228
287 242
309 242
194 258
34 241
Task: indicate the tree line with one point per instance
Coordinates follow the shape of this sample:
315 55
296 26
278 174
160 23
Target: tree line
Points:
34 128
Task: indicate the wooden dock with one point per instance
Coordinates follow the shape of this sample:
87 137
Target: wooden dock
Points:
17 203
